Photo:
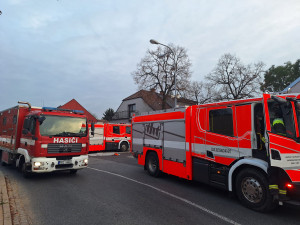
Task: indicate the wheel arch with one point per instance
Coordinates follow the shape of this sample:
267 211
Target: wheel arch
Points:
242 164
123 141
23 152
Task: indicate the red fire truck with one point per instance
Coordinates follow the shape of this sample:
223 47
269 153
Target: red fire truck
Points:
38 140
234 145
110 136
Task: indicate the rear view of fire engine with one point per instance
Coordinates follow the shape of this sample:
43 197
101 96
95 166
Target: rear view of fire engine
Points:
110 136
38 140
249 147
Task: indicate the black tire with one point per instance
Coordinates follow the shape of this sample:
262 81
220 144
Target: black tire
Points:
124 147
152 164
25 172
19 167
73 171
252 189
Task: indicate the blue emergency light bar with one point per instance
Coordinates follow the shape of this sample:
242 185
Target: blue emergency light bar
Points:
66 110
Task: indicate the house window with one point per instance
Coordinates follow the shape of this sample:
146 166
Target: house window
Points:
221 121
131 109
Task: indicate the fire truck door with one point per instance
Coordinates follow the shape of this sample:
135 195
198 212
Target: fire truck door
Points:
282 148
174 141
153 135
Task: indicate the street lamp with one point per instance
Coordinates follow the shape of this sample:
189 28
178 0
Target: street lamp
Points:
152 41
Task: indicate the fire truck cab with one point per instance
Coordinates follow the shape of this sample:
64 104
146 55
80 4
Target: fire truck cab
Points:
249 147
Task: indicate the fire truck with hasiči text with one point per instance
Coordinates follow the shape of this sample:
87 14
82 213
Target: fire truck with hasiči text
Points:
250 147
38 140
110 136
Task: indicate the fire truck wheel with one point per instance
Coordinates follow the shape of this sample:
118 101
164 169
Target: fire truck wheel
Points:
124 147
152 164
25 172
253 190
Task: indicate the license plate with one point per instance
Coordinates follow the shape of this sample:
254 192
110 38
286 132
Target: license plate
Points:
64 162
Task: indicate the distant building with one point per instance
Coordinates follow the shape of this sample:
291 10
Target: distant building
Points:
294 87
145 101
74 105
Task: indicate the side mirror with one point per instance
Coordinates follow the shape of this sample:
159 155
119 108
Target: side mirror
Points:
93 128
41 119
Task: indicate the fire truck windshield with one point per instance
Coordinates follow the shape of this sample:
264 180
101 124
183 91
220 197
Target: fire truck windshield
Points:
63 126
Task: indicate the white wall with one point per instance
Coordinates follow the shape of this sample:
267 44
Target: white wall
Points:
141 106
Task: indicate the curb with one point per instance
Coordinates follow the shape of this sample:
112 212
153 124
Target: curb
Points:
5 216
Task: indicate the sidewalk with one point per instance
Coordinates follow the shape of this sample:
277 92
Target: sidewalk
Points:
5 216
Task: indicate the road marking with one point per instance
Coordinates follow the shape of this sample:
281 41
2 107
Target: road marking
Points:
171 195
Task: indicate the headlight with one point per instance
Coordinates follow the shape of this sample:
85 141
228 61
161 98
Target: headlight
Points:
37 164
86 161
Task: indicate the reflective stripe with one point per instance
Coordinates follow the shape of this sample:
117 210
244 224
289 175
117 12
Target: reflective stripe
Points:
278 121
282 192
274 186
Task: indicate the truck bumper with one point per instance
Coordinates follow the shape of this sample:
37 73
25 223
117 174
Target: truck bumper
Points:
293 196
43 164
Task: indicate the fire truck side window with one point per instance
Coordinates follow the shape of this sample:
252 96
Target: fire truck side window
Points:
15 119
282 119
128 130
4 121
221 121
29 124
116 129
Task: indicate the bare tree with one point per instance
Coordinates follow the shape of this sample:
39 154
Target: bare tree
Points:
159 68
231 79
200 92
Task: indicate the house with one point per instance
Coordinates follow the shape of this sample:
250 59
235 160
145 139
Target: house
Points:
294 87
145 101
74 105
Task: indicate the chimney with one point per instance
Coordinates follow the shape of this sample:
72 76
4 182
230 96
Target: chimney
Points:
152 89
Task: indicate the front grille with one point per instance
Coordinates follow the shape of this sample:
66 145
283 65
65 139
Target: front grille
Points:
63 166
63 157
64 148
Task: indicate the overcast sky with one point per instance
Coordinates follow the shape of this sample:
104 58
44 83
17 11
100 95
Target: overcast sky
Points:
52 51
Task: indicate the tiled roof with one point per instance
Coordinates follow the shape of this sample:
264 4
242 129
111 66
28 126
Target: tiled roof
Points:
73 104
154 100
150 97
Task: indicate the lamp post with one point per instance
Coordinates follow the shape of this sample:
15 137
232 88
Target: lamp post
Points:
152 41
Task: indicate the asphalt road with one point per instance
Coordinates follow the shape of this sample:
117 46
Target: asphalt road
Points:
115 190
